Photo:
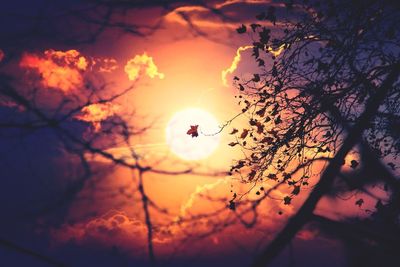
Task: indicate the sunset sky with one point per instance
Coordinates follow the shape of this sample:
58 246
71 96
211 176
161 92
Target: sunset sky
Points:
173 69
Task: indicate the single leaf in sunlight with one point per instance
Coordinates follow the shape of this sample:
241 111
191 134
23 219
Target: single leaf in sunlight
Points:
296 190
241 29
233 143
272 176
359 202
193 131
260 127
261 112
287 200
232 204
244 133
234 130
240 164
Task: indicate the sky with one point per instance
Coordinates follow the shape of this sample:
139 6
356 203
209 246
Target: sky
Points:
177 58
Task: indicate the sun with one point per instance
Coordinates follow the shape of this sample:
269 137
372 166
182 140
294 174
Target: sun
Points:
192 148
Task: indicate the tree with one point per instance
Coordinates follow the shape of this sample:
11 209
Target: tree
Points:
75 109
327 84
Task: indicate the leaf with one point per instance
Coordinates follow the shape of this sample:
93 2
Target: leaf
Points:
267 140
254 26
260 62
296 190
272 176
234 130
287 200
354 164
260 127
232 205
287 175
278 120
244 133
241 29
264 35
241 88
256 52
236 78
261 112
256 78
252 174
359 202
233 144
240 164
274 133
193 131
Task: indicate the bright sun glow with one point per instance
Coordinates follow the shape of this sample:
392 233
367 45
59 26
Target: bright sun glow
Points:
192 148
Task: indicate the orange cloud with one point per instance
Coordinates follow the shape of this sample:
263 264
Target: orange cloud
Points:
70 57
234 64
277 51
199 190
142 63
178 16
60 70
107 65
114 228
96 113
231 2
238 57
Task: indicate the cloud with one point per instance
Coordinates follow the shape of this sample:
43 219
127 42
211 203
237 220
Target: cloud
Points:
198 191
114 228
223 14
96 113
238 57
277 51
234 64
142 63
196 16
60 70
1 55
70 57
107 65
232 2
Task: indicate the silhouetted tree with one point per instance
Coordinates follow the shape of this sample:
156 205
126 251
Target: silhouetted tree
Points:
327 84
27 109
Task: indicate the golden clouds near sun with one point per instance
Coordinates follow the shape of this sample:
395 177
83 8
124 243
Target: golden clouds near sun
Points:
192 148
142 62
